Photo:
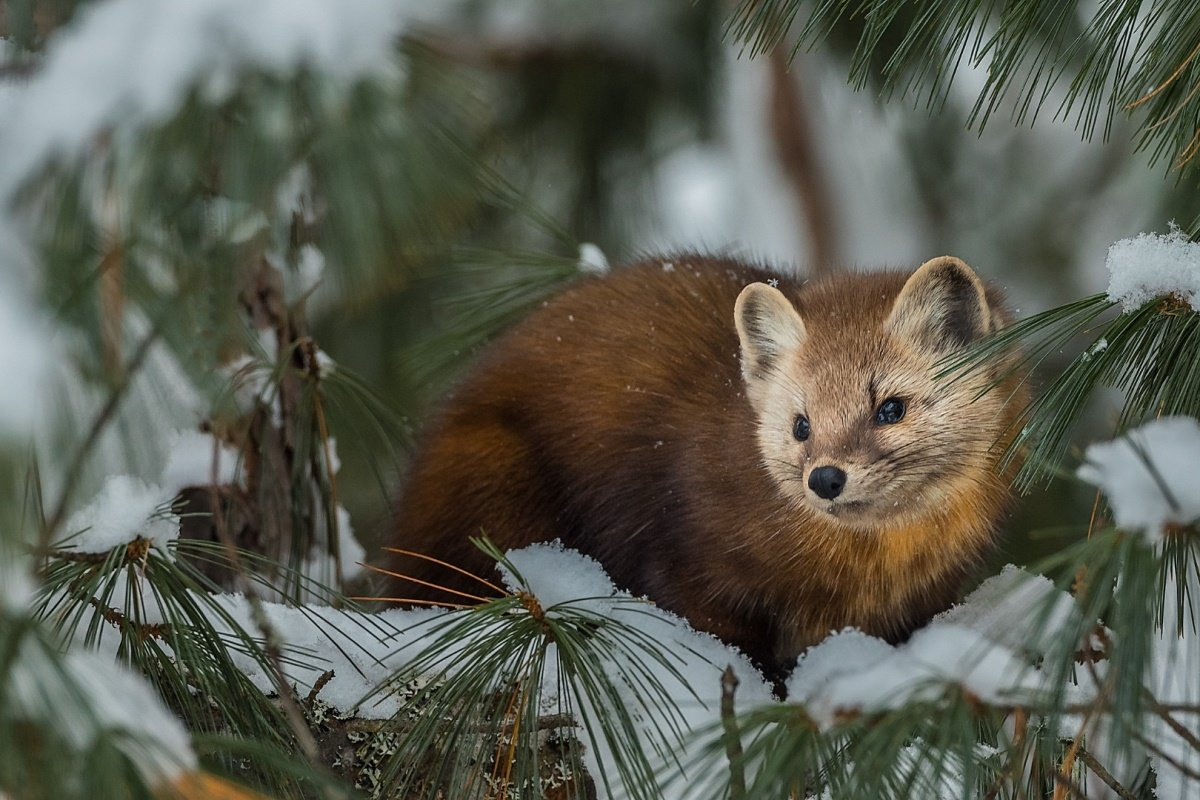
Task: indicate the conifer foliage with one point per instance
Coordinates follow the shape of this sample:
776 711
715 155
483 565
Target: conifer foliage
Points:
185 185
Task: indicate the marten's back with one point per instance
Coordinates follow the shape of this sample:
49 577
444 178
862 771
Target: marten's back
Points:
598 405
626 418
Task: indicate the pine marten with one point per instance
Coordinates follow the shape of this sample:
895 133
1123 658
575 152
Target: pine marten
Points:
770 459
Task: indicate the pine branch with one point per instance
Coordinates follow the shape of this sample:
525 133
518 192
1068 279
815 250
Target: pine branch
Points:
1126 60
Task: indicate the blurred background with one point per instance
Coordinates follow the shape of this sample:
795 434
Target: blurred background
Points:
534 127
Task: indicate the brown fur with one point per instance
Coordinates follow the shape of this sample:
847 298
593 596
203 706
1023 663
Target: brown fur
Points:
624 418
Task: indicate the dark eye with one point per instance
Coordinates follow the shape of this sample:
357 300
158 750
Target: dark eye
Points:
890 411
800 428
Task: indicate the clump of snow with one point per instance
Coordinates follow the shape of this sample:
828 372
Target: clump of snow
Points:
592 259
985 646
1016 609
1149 475
133 61
845 651
195 458
24 359
557 575
1152 265
126 508
872 676
321 566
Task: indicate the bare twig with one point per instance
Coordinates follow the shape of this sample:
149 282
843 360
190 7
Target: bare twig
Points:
318 685
1103 774
732 737
101 421
1164 713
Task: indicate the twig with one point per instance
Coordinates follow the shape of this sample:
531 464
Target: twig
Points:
1163 713
1104 775
325 678
732 737
287 700
119 621
98 425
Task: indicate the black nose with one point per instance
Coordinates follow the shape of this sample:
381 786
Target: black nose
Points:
827 482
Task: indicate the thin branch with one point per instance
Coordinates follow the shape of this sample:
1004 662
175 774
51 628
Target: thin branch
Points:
732 737
102 420
1164 713
1100 772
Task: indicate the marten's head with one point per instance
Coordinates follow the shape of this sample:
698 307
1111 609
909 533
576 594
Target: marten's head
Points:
852 420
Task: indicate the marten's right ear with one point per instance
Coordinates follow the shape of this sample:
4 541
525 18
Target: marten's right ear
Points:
942 307
768 326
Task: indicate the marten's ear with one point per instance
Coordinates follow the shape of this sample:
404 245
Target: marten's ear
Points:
942 307
767 326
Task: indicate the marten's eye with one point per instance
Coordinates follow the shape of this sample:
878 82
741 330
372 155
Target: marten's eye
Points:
890 411
800 428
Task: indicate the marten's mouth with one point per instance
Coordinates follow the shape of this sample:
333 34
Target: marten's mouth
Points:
845 510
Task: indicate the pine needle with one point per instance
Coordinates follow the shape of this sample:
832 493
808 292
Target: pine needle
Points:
447 565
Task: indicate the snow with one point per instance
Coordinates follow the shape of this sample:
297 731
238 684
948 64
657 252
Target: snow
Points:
133 61
985 645
850 673
190 461
117 705
1098 347
592 259
1015 609
26 352
1149 475
125 509
321 567
1151 265
557 575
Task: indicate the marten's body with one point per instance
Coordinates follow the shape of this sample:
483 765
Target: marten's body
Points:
642 419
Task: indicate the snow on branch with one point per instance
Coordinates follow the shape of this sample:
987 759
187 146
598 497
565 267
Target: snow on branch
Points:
133 62
1151 265
1149 475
